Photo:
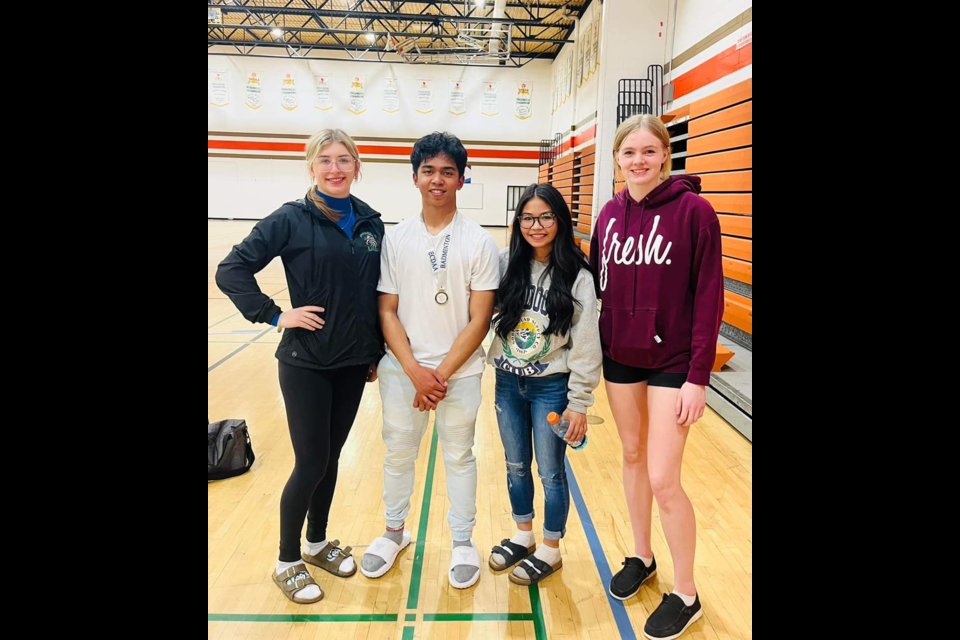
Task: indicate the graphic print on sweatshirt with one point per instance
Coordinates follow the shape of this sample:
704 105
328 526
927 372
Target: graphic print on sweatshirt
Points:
625 254
527 342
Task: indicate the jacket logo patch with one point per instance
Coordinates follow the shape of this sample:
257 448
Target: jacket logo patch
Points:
370 241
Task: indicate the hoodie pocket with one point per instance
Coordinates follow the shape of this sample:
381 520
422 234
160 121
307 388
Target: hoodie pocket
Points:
631 337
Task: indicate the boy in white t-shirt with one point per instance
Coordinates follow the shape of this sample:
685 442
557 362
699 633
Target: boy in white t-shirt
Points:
438 275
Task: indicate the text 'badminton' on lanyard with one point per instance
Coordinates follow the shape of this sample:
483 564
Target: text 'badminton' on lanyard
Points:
440 270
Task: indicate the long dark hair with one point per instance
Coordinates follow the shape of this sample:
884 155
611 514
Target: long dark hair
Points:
564 265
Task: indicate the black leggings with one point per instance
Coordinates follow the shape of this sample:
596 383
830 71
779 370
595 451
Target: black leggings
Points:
321 406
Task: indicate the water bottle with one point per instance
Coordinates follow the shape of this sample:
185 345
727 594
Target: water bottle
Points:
560 426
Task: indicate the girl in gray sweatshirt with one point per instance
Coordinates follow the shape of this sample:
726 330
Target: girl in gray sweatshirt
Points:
547 354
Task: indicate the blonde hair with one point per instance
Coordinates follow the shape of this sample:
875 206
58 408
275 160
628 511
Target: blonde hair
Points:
317 143
647 122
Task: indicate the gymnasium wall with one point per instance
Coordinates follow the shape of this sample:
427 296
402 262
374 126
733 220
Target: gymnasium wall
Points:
255 155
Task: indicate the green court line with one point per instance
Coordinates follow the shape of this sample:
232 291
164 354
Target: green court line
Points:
477 617
538 626
345 617
375 617
413 598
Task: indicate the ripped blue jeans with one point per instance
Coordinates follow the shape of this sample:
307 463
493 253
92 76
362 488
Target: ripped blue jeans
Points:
522 406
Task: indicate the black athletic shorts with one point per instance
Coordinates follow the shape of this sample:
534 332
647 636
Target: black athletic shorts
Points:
618 373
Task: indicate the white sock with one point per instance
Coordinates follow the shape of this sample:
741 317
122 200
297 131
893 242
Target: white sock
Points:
347 565
543 552
646 561
309 591
283 566
314 548
548 554
522 538
687 600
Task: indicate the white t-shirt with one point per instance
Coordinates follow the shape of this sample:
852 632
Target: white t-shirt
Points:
405 270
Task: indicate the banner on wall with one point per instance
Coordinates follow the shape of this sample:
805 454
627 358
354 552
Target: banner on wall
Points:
491 101
523 107
358 96
424 95
219 88
563 82
391 95
322 85
288 92
560 96
588 52
579 65
559 82
571 62
458 98
253 93
557 72
596 42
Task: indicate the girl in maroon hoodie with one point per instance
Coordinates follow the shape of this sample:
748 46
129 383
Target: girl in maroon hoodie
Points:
656 248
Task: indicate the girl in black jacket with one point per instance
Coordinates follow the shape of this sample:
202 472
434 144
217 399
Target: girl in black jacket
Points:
329 243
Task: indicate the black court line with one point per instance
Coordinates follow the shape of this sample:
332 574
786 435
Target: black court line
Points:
217 364
224 320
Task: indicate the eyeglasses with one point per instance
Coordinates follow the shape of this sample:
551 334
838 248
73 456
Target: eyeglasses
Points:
344 163
546 220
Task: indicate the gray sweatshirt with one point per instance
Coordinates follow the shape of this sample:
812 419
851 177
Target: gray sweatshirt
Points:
530 352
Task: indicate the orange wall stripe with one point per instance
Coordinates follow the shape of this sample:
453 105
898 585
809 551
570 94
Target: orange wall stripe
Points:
493 153
364 149
256 146
575 141
722 64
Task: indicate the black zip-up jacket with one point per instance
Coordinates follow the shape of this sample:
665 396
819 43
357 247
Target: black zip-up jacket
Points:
324 268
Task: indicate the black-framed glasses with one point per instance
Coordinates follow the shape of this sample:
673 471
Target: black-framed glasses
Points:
546 220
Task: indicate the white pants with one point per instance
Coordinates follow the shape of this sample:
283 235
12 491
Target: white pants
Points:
403 428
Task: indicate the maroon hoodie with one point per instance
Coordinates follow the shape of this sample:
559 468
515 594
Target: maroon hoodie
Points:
661 279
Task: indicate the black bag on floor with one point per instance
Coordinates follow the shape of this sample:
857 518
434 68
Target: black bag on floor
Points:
229 450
